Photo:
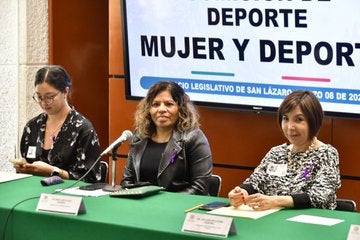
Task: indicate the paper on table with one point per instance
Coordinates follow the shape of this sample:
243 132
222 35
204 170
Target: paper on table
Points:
354 232
315 220
9 176
87 193
242 211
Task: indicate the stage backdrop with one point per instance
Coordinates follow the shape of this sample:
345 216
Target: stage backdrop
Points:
246 54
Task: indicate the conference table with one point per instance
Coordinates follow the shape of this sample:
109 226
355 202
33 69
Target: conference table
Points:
159 216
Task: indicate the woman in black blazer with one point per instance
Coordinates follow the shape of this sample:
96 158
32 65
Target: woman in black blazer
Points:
168 148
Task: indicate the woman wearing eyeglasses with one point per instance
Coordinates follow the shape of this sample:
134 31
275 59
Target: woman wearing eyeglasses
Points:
60 141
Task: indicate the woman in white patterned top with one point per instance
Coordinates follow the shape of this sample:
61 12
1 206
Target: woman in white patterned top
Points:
302 173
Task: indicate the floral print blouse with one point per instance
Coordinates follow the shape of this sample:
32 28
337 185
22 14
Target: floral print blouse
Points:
310 177
75 148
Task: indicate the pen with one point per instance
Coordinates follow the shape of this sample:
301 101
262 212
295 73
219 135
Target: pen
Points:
193 208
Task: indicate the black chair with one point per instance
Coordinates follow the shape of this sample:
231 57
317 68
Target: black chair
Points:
343 204
214 185
104 169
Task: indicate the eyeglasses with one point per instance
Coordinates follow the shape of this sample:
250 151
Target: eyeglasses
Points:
47 99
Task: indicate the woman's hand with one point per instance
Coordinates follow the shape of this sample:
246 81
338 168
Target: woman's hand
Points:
237 196
263 202
260 201
37 168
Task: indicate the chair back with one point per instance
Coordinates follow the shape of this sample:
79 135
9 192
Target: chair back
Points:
344 204
214 185
104 169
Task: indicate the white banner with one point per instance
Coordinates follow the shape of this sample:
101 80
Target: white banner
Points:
246 52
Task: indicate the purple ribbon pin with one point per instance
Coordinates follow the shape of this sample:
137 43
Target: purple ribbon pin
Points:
307 171
173 155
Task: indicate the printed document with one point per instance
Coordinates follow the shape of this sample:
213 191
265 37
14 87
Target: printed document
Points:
242 211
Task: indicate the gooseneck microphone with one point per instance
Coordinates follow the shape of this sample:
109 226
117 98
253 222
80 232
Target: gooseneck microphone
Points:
124 137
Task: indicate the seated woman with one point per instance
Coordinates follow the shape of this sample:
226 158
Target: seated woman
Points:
303 173
168 148
60 141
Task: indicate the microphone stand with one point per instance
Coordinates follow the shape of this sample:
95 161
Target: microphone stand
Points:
113 187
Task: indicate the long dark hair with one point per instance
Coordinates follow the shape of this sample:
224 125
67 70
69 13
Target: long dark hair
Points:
188 115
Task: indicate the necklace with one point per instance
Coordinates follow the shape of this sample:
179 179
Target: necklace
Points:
53 134
297 165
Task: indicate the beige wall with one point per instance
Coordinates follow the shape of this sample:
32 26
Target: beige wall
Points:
23 49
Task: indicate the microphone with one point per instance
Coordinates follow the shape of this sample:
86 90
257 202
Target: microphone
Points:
126 135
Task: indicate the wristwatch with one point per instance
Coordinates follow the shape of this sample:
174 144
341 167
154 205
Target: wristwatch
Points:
55 172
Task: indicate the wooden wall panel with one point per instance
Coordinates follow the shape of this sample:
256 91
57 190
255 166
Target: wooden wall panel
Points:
350 189
235 138
80 42
346 135
121 118
116 64
230 178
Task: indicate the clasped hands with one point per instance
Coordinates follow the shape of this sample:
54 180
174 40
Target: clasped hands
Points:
257 201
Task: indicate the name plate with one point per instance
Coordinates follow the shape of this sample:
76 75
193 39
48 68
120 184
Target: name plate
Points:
354 232
208 224
60 204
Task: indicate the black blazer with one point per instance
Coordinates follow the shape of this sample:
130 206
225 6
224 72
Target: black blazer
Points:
185 165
